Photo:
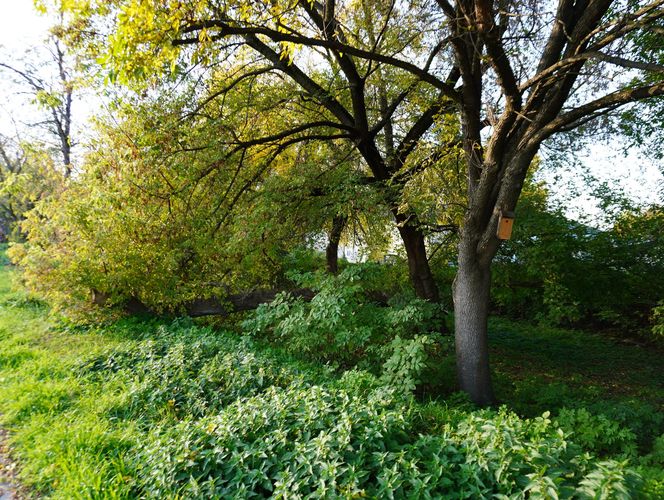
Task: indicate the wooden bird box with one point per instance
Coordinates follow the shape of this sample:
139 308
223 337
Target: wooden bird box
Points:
505 222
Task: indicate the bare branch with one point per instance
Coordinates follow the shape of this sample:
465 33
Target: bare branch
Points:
613 100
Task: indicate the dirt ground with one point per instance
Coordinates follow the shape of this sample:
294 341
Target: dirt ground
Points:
9 488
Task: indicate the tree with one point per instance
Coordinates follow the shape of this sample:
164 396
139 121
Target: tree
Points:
346 99
11 163
535 106
27 175
52 90
513 73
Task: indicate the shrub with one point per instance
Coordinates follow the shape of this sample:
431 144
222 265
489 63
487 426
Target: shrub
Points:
342 325
563 272
645 421
653 481
597 433
407 362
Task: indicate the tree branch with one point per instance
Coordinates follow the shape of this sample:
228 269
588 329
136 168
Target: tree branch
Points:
419 128
290 132
225 29
330 28
304 81
618 61
612 100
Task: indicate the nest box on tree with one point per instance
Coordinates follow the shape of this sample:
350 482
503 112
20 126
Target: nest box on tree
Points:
505 223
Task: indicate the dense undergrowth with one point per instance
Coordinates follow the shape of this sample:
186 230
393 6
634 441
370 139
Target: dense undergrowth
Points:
174 409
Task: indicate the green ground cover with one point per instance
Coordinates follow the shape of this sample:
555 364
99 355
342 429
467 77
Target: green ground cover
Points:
177 409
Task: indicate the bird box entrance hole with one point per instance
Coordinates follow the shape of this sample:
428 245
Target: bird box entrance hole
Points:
505 223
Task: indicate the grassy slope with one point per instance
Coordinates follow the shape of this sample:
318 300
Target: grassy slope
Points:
75 419
41 396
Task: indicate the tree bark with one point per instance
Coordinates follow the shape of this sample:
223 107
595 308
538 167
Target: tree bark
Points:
212 306
332 250
229 304
238 302
471 310
418 265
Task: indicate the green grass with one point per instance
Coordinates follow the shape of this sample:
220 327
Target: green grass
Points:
585 368
175 409
540 369
60 438
579 359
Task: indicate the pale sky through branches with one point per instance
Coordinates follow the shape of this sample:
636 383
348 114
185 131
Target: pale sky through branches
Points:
21 28
20 25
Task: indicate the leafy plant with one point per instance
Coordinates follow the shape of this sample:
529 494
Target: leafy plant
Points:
171 409
658 320
406 363
562 271
343 325
597 433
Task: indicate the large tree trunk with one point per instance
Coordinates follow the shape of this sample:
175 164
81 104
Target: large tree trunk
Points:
332 250
418 264
471 310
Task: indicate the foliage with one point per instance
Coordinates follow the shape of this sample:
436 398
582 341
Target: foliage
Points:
186 371
328 443
179 210
658 320
152 408
559 271
640 125
296 441
28 174
391 83
153 220
597 433
344 326
404 367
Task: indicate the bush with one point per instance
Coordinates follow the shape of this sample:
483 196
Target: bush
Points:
645 421
407 362
597 433
564 272
342 325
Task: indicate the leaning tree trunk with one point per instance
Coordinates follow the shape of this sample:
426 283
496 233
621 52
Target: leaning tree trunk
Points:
332 250
418 264
471 311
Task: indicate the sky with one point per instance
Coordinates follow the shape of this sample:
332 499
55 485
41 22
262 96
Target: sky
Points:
21 27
